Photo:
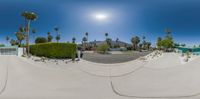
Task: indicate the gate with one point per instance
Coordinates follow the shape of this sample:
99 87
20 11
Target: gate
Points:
9 50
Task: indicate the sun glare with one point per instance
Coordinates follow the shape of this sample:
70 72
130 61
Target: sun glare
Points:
100 16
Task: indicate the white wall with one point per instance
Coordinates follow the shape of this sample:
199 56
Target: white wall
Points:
20 52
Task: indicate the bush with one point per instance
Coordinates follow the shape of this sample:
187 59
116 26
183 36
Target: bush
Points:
103 48
54 50
2 45
40 40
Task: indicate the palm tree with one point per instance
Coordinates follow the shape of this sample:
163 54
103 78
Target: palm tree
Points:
168 33
84 40
13 42
117 41
57 38
140 47
183 45
86 34
106 34
135 41
33 32
22 29
95 43
20 37
58 34
144 42
148 45
159 39
176 45
109 42
73 40
7 38
28 16
49 37
56 29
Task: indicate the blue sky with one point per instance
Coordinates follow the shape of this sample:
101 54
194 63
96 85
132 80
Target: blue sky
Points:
125 18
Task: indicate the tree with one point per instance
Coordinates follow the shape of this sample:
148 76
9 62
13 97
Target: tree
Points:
168 33
28 16
73 40
135 41
140 47
7 38
13 42
109 42
176 45
58 34
33 32
84 40
117 41
148 45
167 43
183 45
106 34
95 43
49 37
102 48
144 42
57 38
2 45
86 34
20 37
22 29
40 40
159 39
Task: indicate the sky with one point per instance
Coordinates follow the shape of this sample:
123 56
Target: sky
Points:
122 19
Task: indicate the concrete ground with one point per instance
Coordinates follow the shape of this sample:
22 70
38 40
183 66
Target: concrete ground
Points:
113 58
162 78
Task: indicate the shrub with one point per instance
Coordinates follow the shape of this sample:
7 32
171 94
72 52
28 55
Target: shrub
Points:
2 45
40 40
54 50
103 48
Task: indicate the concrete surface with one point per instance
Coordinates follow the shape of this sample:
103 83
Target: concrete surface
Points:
162 78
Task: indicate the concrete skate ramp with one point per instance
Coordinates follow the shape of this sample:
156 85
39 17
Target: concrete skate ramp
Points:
181 81
32 81
113 70
3 73
167 60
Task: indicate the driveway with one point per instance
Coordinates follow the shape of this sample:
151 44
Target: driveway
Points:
113 58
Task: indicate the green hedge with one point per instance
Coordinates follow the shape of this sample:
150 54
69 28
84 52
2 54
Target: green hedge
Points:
54 50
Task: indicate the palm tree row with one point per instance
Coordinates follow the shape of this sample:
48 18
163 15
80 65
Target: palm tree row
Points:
24 31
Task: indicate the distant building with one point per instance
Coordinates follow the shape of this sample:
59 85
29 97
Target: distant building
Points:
188 49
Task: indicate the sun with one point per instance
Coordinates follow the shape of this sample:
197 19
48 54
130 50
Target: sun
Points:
101 16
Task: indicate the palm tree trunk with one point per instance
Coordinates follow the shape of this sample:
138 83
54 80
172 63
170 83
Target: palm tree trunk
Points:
27 37
84 45
87 41
20 43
